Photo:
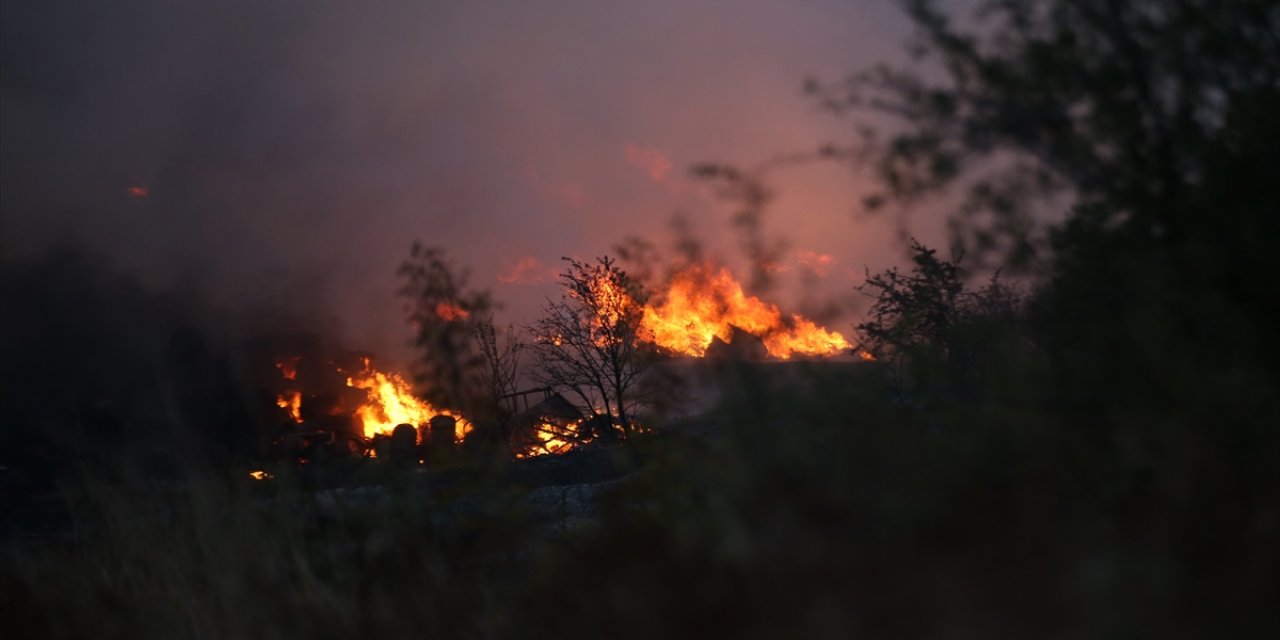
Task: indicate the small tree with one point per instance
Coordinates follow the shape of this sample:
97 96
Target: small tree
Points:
928 320
501 361
915 309
1124 107
450 368
588 342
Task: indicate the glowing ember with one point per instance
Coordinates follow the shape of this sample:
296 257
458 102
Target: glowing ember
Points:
288 368
702 303
260 475
391 403
451 312
552 439
291 401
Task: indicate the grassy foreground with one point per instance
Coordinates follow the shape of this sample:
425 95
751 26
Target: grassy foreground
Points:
817 507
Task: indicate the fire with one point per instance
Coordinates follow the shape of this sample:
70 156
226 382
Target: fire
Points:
612 305
551 439
292 401
611 300
702 303
288 368
451 312
391 402
260 475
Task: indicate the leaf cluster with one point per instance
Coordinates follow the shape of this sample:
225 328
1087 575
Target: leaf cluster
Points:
1116 102
928 316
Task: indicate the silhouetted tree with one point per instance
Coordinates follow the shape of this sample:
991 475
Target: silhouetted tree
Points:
501 352
1144 129
1131 145
928 319
1122 107
588 342
450 367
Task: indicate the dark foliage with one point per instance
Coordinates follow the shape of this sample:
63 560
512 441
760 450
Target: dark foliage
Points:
926 323
97 369
1095 460
452 363
1127 105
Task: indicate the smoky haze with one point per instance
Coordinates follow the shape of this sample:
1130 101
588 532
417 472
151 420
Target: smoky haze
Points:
282 156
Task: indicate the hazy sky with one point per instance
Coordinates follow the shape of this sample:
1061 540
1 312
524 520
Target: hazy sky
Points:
292 151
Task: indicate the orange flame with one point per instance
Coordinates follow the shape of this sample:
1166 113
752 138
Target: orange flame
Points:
391 402
528 270
612 303
451 312
551 439
292 401
288 368
702 303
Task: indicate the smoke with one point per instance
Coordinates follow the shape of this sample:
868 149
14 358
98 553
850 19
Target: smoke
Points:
282 156
653 162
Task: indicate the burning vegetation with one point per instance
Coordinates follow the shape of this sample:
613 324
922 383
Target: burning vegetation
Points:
702 303
596 345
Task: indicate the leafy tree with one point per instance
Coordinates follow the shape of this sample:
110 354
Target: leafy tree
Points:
1143 130
914 309
588 342
1124 107
501 353
1146 133
443 310
929 320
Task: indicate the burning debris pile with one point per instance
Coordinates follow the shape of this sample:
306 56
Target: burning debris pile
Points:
702 303
343 406
331 406
340 405
552 425
391 402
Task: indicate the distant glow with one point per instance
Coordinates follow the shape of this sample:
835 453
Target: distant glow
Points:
819 263
138 192
528 270
652 161
288 368
451 312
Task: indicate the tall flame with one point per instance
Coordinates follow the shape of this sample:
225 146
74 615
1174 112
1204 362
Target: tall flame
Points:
292 402
702 303
391 402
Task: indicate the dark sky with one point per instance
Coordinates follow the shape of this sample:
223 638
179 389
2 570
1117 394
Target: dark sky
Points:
292 151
